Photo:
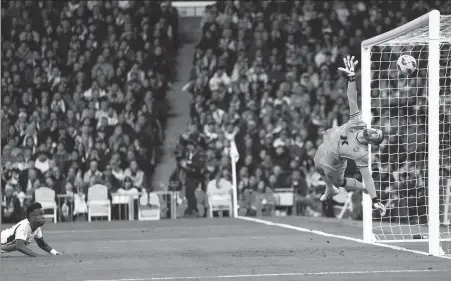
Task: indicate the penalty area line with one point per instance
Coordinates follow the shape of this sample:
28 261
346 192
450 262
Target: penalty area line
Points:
241 276
321 233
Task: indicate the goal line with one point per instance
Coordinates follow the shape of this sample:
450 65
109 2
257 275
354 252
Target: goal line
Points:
343 237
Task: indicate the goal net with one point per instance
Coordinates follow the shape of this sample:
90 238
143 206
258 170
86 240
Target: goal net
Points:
412 167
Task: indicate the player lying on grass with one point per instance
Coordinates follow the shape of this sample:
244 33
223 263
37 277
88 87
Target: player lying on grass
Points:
19 236
348 142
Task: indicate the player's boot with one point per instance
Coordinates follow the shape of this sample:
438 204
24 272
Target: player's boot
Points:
329 194
380 207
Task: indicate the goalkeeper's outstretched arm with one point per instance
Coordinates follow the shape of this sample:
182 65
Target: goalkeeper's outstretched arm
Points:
352 87
371 188
369 182
352 98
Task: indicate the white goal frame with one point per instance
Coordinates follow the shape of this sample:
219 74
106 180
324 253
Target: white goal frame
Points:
433 20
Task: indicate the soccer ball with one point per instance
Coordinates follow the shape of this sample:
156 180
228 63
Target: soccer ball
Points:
406 64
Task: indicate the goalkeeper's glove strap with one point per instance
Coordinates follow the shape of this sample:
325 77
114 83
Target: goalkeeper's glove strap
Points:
351 78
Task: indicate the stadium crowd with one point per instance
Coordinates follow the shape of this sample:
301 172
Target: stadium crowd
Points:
83 95
265 75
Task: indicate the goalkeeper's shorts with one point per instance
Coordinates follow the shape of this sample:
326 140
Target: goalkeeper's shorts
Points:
335 175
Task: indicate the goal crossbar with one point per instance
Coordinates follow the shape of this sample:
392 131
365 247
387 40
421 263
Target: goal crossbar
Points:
430 20
406 28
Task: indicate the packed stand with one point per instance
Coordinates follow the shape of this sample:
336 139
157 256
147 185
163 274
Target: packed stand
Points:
265 75
83 96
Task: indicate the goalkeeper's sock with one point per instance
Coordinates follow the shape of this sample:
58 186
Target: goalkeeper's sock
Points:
375 200
353 184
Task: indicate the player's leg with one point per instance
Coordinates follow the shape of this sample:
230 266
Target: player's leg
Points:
3 242
319 156
202 201
349 184
352 184
8 247
331 190
334 178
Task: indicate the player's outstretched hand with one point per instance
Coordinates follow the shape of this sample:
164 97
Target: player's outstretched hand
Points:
349 68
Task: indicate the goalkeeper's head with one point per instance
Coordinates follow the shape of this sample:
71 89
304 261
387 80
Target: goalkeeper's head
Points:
373 136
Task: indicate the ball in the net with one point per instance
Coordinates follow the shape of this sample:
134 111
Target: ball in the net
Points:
406 64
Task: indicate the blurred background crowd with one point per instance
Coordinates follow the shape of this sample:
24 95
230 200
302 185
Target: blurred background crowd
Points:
83 94
84 84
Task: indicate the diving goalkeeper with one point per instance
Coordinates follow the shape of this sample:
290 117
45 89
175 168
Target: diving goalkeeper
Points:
349 141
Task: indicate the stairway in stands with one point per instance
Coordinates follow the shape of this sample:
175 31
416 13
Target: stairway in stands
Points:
180 101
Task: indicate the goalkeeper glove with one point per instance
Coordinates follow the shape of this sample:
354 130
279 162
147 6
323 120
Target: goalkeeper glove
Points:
349 67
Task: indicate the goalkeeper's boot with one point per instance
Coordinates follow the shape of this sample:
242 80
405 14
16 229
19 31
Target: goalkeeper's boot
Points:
329 194
380 207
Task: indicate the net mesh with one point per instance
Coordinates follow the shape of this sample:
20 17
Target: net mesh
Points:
400 165
421 34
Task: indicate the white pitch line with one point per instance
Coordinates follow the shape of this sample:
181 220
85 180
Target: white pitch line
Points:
70 231
148 228
330 273
321 233
166 239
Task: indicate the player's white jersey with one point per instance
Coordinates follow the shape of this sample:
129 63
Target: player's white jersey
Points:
22 231
341 143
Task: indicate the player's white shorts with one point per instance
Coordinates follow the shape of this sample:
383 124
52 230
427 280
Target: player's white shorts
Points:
335 175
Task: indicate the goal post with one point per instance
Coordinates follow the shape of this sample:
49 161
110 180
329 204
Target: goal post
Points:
414 162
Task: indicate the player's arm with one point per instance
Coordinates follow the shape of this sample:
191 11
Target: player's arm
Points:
362 163
349 69
368 181
352 98
44 246
21 247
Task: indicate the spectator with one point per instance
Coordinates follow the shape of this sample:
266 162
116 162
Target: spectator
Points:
193 164
92 172
135 174
11 208
220 77
128 187
264 202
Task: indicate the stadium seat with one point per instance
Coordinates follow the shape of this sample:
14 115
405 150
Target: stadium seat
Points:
46 197
98 203
219 203
149 207
285 197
